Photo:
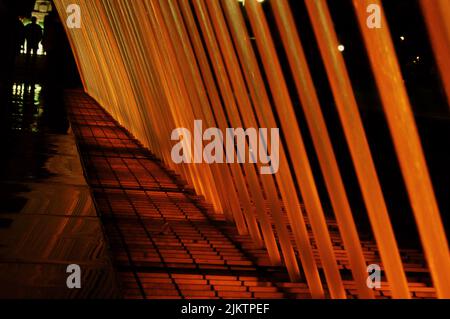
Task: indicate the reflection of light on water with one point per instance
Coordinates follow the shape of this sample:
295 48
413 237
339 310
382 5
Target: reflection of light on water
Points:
39 52
18 89
37 93
27 108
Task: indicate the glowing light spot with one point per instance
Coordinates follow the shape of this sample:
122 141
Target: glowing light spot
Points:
341 48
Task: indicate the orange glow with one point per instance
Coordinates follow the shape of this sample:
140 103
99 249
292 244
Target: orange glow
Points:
408 147
437 17
157 65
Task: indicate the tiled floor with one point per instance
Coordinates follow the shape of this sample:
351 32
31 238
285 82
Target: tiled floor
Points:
166 242
47 217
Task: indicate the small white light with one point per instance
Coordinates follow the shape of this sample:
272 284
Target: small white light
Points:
341 48
402 38
418 58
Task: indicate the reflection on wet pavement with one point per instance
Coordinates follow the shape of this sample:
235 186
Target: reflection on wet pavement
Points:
26 107
47 217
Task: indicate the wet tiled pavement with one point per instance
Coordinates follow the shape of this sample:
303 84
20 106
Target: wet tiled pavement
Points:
47 217
165 240
143 234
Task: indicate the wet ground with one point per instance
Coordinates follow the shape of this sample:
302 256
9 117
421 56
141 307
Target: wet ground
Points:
167 242
47 217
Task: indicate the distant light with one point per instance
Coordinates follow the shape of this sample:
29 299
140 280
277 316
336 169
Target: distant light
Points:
402 38
341 48
418 58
